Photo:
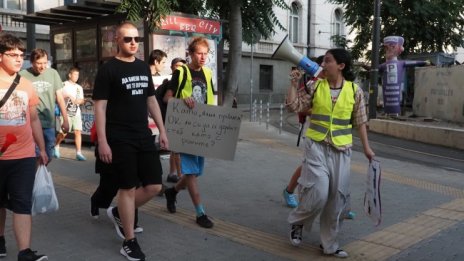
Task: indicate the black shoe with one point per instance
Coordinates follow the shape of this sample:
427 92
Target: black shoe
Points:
170 194
131 250
94 211
173 178
29 255
2 247
114 216
203 221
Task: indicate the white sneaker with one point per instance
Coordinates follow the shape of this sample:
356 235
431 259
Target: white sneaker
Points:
296 235
340 253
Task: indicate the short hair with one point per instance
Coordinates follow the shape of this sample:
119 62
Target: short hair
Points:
196 41
38 53
10 42
73 69
178 59
156 55
124 24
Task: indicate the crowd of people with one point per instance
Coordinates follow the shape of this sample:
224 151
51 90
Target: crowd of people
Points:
127 158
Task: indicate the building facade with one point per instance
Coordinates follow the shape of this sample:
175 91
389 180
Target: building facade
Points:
311 25
12 8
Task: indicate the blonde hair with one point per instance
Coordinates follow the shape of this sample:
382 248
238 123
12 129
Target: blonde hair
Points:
196 41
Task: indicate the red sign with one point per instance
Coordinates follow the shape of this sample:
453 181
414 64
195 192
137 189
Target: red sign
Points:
191 25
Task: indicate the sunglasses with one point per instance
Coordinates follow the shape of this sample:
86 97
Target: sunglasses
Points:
128 39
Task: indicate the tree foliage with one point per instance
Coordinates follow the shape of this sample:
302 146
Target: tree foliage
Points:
426 25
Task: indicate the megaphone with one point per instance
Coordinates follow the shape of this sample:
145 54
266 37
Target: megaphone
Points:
286 51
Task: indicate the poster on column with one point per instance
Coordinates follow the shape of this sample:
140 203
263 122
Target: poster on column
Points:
205 130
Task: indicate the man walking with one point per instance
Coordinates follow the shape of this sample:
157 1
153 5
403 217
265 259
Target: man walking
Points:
123 95
49 86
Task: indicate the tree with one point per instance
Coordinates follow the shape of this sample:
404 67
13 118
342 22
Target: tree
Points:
244 17
426 25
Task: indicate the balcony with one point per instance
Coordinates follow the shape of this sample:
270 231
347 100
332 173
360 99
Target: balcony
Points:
7 23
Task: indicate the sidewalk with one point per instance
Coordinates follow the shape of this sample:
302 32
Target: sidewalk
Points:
422 211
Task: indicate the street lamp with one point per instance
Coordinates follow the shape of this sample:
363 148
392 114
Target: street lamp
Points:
373 88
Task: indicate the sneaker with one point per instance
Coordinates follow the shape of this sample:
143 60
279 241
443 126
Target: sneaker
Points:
340 253
94 211
170 194
56 152
204 221
2 246
296 235
138 229
173 178
131 250
29 255
290 199
350 215
80 157
113 214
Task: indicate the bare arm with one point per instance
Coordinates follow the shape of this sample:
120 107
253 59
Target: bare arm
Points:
104 150
293 88
38 134
365 142
62 106
155 112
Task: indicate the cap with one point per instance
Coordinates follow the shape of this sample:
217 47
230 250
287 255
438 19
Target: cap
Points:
176 60
393 40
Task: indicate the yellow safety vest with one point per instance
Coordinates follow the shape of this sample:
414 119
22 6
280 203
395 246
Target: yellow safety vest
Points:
186 90
335 119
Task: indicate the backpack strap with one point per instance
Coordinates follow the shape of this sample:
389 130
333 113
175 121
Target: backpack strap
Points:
10 90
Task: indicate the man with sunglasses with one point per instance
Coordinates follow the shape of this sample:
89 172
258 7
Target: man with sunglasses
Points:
123 95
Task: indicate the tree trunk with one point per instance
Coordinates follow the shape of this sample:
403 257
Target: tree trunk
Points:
235 52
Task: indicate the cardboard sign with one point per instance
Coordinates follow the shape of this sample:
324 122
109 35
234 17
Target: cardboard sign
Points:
209 131
372 203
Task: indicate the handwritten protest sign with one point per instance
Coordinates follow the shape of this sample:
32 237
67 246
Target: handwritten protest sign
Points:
209 131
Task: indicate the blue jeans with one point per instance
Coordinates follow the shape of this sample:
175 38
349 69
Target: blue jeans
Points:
49 138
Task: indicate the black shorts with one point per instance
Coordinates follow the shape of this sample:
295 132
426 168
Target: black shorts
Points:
16 183
136 162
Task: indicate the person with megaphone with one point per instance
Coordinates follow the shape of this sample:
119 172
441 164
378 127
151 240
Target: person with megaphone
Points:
337 105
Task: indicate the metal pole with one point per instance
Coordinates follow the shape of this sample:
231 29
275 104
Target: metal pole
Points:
260 111
281 118
373 87
251 76
267 116
30 28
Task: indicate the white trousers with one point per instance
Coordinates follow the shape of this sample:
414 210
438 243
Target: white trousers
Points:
323 188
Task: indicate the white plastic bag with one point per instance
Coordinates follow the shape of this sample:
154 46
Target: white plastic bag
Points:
43 195
372 203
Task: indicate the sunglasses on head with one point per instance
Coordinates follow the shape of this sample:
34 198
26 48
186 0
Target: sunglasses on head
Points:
128 39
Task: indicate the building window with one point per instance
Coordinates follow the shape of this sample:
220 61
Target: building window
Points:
10 4
265 77
338 27
294 23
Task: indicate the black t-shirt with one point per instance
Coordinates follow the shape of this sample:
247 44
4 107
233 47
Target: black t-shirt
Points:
126 86
199 86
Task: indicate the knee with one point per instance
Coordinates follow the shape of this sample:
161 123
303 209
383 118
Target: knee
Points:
153 190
